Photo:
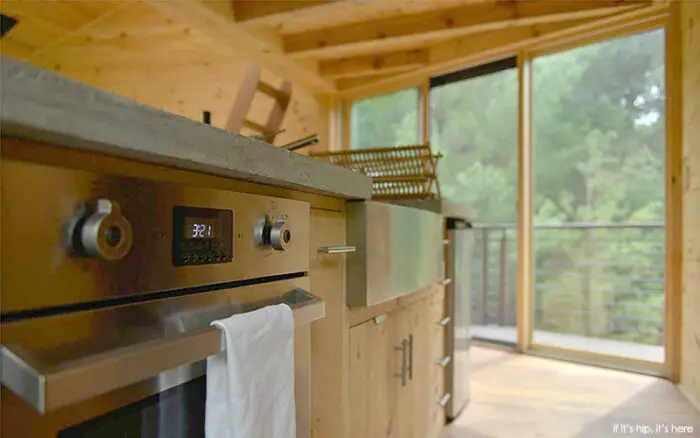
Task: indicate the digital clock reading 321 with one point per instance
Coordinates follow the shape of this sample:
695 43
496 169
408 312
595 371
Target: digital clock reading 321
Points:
200 228
202 236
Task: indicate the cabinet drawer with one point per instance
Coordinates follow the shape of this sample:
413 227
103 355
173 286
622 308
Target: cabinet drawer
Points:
437 316
437 303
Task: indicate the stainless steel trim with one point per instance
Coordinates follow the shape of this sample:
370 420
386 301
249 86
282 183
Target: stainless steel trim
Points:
445 399
446 320
444 361
458 266
446 281
49 387
337 249
399 251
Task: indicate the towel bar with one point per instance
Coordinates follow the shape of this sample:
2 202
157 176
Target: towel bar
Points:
49 386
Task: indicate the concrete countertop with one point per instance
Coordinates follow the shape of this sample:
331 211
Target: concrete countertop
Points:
40 105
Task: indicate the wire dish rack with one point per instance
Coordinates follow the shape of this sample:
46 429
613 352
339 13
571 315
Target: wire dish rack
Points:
404 172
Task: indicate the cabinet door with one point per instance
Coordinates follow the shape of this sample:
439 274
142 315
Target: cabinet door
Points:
400 395
371 380
436 388
329 336
422 369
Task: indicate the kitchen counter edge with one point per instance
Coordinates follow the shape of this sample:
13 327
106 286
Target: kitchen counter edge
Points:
42 106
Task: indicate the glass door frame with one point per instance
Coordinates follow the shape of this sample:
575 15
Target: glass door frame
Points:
668 20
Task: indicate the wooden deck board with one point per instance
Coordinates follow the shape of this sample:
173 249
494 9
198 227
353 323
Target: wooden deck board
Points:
523 396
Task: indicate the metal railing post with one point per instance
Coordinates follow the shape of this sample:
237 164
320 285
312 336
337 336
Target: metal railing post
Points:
484 276
504 277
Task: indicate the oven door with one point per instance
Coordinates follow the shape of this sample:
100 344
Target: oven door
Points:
136 371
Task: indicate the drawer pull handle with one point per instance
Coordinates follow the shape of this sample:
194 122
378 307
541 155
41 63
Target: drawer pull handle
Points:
446 281
337 249
404 361
445 321
445 399
444 361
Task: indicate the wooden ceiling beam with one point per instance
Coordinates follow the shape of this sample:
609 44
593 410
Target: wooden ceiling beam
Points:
422 29
352 83
464 52
438 54
374 65
216 19
263 13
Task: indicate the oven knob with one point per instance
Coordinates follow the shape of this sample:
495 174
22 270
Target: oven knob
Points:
261 234
272 234
280 234
102 232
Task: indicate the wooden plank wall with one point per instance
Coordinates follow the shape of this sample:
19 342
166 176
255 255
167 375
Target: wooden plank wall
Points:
690 370
136 51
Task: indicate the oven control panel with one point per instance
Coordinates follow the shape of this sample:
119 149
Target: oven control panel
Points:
112 236
202 236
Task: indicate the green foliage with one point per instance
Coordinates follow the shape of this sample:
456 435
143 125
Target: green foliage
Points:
599 158
387 120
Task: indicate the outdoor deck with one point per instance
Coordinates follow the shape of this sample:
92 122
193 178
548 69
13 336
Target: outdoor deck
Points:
517 395
650 353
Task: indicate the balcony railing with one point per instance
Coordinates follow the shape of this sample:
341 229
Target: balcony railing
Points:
595 280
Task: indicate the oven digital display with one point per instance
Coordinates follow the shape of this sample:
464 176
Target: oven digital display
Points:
202 236
201 228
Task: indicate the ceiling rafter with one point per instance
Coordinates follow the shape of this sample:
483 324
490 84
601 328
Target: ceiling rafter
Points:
374 65
481 44
217 21
488 46
424 28
263 13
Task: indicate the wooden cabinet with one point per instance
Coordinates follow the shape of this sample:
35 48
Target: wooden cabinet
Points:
372 382
356 385
436 332
404 342
329 336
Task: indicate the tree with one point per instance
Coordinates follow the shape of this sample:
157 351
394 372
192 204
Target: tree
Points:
599 158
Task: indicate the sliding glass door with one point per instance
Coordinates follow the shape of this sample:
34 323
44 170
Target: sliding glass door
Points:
474 124
598 204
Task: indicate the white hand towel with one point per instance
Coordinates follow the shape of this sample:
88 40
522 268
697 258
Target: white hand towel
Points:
250 386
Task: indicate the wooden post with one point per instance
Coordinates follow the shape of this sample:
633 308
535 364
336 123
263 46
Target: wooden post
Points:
524 289
674 194
345 125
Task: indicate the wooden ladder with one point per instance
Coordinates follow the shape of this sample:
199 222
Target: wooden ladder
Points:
252 84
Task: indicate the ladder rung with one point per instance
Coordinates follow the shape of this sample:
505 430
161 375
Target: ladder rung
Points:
254 126
276 94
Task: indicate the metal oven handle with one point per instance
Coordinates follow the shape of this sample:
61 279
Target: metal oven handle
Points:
337 249
49 387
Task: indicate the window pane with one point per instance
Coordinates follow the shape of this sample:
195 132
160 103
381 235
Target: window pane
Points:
599 197
386 120
474 124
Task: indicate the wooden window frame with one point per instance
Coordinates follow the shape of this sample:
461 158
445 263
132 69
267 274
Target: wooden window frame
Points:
668 21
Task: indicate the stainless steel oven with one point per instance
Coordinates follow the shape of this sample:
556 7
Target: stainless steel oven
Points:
109 284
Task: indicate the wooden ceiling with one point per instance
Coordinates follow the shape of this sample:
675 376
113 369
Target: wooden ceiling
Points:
327 46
